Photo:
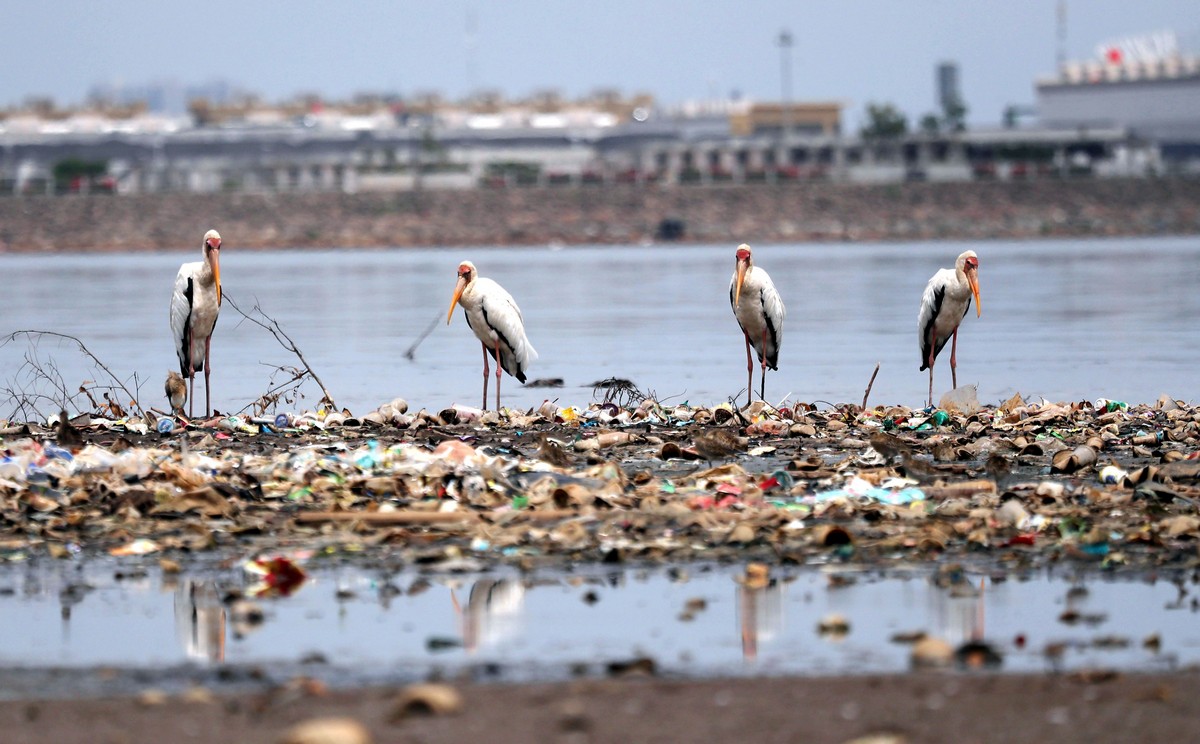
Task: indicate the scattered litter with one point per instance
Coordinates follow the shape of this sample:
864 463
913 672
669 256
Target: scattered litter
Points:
626 478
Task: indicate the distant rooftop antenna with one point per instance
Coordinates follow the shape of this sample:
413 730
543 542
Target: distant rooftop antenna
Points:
1061 34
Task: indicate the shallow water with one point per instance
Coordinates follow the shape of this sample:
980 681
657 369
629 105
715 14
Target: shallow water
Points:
358 625
1067 320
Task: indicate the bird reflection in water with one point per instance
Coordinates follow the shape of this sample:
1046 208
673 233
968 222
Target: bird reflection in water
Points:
200 620
492 614
760 611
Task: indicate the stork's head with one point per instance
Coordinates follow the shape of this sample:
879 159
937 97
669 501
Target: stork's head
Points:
743 265
968 266
212 254
466 275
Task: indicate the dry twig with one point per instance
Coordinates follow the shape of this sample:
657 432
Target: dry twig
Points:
262 320
869 386
41 373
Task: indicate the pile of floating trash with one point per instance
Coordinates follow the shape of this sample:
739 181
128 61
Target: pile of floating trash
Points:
458 489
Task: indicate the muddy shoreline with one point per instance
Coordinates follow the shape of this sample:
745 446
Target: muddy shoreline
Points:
1101 485
921 707
614 214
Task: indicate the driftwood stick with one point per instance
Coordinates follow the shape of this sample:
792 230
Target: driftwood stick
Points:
870 384
417 517
411 353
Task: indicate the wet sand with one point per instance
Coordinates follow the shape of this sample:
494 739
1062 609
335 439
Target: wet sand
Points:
919 707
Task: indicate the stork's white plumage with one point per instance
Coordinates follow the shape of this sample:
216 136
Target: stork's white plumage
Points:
194 308
760 312
945 303
496 320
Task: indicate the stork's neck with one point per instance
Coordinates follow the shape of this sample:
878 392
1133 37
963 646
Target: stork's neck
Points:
961 287
206 277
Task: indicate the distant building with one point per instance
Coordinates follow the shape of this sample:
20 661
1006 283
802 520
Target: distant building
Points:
802 119
1144 84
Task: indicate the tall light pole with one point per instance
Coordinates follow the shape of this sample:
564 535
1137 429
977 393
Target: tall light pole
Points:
785 80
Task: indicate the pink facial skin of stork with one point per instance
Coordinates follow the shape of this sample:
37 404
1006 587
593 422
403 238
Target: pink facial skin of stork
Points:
971 269
466 271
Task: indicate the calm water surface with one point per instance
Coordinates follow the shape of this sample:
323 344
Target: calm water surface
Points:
370 625
1061 319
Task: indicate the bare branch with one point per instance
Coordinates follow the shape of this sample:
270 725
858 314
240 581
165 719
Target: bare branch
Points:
47 372
262 320
869 386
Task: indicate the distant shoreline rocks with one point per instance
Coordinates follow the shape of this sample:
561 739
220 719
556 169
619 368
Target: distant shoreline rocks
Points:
617 214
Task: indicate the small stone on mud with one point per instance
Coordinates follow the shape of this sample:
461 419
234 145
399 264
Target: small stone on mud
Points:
327 731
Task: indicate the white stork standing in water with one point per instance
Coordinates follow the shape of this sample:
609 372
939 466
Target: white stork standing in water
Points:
945 303
495 318
760 312
194 308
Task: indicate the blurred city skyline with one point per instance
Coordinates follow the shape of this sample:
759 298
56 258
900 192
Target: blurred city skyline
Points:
869 51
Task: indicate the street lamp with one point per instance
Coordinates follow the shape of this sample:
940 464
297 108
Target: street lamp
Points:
785 79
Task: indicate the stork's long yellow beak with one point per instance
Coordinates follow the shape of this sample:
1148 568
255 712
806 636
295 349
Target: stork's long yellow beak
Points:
741 277
216 266
458 290
973 280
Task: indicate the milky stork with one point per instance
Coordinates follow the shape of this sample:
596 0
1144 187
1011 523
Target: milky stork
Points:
495 318
760 314
194 308
945 303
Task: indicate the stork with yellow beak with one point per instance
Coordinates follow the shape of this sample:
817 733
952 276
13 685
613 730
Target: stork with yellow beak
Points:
760 313
194 308
945 303
496 320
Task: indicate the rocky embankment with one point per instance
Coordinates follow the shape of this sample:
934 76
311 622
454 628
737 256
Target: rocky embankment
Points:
617 214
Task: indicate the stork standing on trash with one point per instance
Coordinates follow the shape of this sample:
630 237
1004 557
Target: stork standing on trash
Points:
496 320
194 308
945 303
760 312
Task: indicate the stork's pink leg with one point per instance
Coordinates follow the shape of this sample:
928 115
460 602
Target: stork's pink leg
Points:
932 356
485 374
499 369
954 364
192 392
749 370
207 372
762 390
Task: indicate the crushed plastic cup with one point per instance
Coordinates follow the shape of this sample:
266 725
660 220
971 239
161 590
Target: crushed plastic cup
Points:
165 425
282 421
1112 474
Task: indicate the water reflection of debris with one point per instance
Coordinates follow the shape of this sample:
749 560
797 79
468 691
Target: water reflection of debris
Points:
760 614
200 620
492 614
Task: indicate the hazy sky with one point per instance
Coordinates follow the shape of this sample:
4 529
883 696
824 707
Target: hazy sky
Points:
856 51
